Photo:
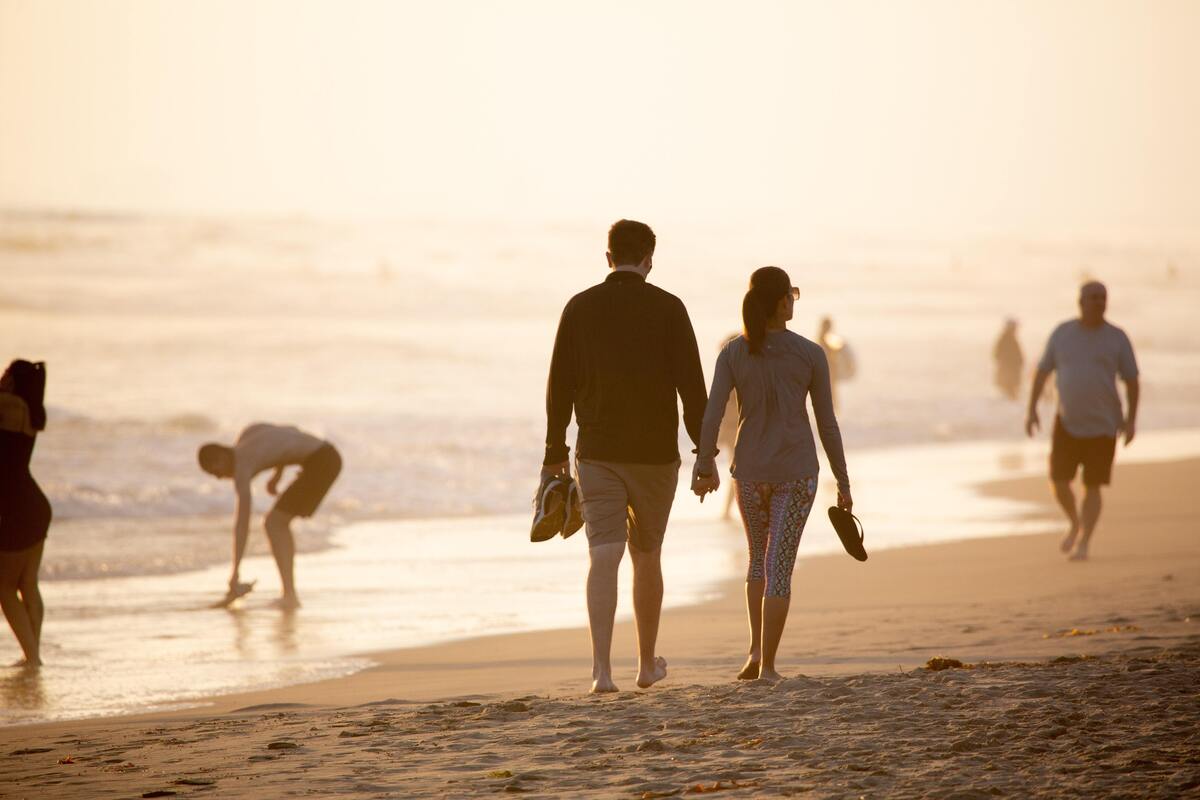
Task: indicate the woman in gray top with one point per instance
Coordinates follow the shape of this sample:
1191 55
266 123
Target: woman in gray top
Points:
774 458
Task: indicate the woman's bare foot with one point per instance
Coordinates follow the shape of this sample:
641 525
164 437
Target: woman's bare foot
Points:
603 685
750 671
769 676
25 663
1068 541
648 677
1080 554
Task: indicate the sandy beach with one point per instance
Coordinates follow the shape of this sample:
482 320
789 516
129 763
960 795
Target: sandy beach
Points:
1079 680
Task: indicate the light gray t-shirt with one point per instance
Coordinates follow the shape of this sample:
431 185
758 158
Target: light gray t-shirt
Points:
1087 362
774 438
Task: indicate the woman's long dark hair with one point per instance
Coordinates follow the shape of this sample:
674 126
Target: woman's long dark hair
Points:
29 384
768 285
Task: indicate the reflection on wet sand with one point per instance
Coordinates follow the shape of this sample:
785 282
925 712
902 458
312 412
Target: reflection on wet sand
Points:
22 689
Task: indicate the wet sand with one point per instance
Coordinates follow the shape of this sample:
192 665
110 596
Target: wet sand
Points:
1084 685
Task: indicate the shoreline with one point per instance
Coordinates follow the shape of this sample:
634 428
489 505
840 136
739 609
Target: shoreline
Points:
847 618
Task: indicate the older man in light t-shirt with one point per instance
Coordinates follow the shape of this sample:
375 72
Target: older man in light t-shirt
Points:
1087 354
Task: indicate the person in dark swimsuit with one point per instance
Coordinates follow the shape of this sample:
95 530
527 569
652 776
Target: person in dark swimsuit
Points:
24 510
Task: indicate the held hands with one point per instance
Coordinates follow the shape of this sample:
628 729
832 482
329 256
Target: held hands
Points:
273 484
707 482
1032 423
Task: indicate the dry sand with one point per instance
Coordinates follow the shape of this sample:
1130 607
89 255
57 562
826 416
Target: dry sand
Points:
1087 683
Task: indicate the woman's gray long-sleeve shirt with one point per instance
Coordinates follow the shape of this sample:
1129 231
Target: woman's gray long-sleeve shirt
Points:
774 438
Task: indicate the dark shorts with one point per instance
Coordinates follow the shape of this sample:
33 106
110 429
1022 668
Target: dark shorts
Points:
317 474
1095 453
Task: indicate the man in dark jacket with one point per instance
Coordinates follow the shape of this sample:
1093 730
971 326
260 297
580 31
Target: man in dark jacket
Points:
624 350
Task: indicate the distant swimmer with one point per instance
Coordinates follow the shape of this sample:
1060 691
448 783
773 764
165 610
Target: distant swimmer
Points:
838 354
1087 354
24 510
1009 361
261 447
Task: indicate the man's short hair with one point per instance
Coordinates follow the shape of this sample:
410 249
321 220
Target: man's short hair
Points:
209 455
630 242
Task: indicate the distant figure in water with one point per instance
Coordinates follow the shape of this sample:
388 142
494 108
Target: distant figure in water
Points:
261 447
1010 361
775 458
624 351
24 510
727 435
1087 354
838 355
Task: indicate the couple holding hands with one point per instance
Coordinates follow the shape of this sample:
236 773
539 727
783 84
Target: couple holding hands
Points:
623 352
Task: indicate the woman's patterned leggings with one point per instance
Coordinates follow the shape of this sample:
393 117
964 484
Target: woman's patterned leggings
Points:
774 515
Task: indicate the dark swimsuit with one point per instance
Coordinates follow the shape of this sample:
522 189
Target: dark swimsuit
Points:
24 509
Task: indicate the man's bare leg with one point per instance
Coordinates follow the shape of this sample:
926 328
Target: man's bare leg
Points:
754 612
1066 499
283 547
647 609
1090 516
604 563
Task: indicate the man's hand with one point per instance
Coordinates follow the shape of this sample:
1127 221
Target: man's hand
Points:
845 501
1032 423
1130 431
550 470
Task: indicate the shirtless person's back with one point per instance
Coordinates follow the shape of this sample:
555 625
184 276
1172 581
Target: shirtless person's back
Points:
260 447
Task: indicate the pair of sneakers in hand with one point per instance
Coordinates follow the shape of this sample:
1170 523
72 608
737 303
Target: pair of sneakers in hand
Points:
557 508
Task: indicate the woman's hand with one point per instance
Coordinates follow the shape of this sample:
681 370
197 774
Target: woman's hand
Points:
706 480
845 501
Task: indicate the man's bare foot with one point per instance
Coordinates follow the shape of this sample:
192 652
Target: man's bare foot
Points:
750 671
1080 554
289 602
236 590
25 663
603 685
648 677
1068 541
769 676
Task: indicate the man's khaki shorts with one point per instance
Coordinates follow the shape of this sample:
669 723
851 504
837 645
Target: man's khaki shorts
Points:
626 502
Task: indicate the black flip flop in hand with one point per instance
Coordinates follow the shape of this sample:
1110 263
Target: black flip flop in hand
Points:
850 531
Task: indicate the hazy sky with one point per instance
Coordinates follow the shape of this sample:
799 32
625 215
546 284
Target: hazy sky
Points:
878 117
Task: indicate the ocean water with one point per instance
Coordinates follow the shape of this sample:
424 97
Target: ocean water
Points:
420 349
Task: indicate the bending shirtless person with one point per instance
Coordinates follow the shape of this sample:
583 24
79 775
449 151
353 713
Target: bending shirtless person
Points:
261 447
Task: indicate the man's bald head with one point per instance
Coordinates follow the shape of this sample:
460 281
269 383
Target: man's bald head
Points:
1093 302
